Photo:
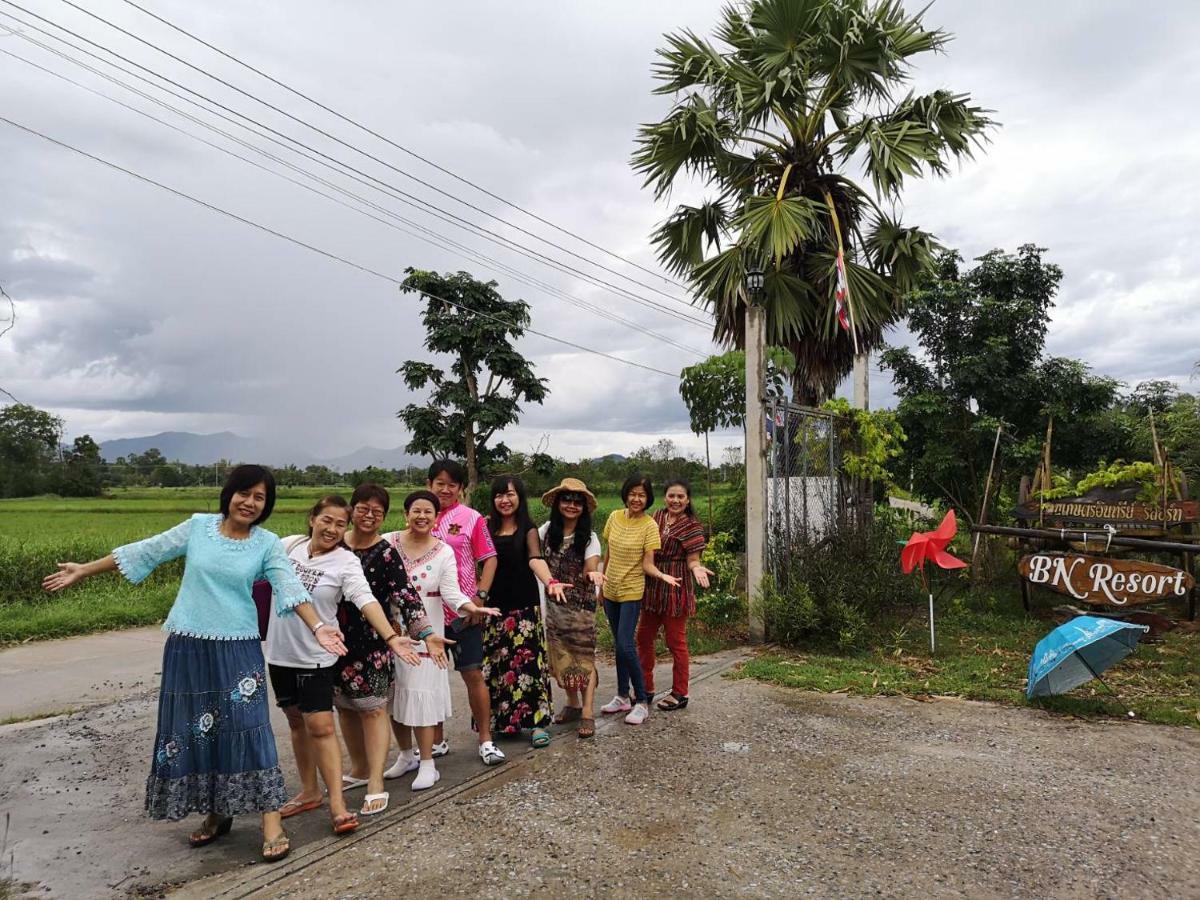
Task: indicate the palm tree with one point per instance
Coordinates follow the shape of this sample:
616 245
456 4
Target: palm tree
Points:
794 94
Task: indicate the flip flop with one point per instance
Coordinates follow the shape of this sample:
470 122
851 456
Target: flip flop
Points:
587 728
349 782
277 848
345 823
672 701
204 837
374 798
568 714
295 806
541 738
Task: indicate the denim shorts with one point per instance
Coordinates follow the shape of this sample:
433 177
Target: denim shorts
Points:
468 649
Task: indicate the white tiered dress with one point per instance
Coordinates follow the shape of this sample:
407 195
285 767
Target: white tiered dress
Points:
422 693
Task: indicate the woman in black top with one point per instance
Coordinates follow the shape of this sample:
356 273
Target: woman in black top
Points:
514 648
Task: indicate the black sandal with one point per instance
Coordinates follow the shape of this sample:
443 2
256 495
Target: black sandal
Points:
569 714
672 701
206 835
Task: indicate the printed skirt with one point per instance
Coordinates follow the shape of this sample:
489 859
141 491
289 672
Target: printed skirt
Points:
514 667
214 751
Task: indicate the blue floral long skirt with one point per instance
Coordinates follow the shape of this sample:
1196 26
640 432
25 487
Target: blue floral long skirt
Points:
214 751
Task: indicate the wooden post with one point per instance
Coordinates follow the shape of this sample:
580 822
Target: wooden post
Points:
756 481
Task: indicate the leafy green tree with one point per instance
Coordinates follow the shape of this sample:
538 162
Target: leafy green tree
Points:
488 379
29 445
982 333
81 471
777 118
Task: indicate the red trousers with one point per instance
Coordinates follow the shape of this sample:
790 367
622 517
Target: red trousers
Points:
676 628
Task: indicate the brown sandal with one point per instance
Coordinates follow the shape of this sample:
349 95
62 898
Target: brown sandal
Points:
207 835
587 727
277 848
569 714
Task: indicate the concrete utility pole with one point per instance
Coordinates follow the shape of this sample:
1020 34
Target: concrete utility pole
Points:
756 444
862 380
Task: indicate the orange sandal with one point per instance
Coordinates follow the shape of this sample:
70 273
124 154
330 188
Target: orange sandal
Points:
345 823
295 806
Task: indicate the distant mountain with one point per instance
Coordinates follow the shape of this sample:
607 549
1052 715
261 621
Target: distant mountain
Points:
201 449
611 457
194 449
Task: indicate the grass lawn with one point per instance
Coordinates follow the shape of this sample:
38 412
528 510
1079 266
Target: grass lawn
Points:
37 532
983 650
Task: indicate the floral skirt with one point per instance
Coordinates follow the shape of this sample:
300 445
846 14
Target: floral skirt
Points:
214 751
514 667
363 679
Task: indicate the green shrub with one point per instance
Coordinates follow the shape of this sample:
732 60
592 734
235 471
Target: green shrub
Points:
720 604
729 517
838 587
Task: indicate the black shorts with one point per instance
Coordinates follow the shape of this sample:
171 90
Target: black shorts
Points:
309 689
467 650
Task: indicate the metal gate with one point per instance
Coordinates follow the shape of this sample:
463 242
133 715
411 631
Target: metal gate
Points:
808 496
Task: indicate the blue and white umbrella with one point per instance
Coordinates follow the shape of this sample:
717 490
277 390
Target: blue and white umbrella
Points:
1078 651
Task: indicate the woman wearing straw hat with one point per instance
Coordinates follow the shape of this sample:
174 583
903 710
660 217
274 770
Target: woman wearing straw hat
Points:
572 552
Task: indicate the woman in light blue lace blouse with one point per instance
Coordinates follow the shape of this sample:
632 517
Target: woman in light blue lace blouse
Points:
214 752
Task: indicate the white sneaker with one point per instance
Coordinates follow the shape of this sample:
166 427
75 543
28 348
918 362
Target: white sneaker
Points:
638 715
402 766
438 750
617 704
491 754
427 776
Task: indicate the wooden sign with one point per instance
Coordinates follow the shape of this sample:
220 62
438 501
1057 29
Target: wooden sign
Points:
1105 582
1118 512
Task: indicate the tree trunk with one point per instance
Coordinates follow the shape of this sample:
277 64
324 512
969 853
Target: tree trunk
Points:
708 478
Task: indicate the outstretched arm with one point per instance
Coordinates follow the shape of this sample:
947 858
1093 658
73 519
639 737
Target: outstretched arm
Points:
70 572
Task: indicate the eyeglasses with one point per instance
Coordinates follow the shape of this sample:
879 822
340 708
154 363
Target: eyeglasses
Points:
572 499
369 512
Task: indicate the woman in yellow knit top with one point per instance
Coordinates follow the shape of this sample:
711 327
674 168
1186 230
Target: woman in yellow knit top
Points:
631 537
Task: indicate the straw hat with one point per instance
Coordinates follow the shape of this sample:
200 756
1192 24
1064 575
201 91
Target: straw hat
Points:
572 485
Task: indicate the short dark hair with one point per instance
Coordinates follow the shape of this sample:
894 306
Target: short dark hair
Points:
336 500
422 495
370 491
637 479
244 477
450 467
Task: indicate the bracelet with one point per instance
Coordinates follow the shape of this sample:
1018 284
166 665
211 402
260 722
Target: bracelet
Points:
552 582
424 632
390 636
318 627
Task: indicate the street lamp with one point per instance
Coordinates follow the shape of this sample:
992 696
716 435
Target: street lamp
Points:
755 279
756 446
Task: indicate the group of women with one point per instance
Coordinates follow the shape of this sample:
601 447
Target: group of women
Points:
364 622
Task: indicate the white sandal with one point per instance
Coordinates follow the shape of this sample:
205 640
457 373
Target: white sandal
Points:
372 798
491 754
349 782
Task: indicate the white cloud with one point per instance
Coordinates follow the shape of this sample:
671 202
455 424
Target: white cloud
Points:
139 312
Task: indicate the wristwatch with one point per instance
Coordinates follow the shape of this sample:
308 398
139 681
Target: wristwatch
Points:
482 595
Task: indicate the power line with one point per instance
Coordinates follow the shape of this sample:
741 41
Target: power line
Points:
359 150
333 163
400 147
425 234
326 253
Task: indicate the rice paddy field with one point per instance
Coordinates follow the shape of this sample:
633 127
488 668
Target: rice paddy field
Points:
38 532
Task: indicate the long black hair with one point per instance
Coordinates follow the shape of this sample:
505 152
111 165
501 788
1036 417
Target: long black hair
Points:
583 528
524 519
683 483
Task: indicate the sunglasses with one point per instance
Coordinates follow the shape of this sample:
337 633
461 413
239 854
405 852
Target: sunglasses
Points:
573 499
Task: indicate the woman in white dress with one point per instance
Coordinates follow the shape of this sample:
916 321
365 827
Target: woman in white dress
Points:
422 693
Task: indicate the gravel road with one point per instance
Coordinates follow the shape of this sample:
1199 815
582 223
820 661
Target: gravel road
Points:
762 792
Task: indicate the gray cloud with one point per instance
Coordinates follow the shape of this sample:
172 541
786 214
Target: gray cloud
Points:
140 312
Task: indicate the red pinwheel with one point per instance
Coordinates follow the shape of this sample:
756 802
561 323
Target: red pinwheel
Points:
931 545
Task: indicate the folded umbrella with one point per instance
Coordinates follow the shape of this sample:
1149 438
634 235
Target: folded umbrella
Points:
1078 651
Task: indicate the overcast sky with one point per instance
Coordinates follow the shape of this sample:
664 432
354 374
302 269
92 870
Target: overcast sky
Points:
138 312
